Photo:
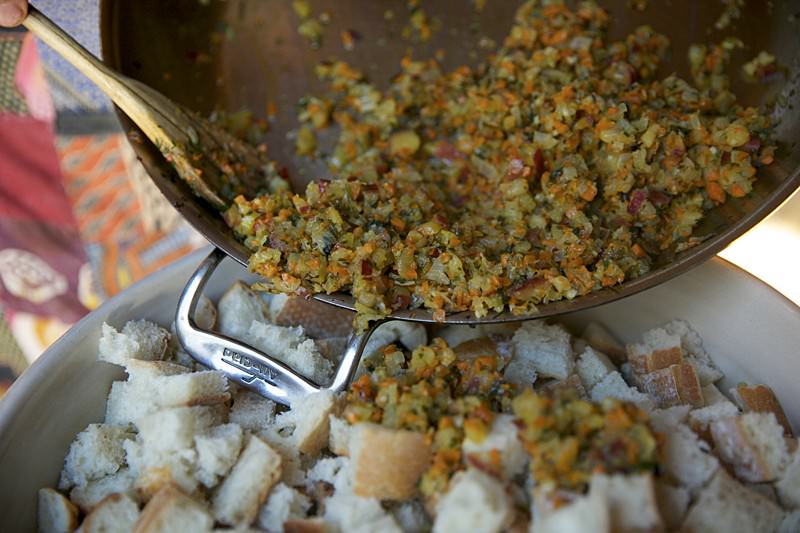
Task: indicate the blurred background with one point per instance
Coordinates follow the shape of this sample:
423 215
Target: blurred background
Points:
80 220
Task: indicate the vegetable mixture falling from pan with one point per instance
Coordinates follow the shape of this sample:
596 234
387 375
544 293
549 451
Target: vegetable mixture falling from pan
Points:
560 167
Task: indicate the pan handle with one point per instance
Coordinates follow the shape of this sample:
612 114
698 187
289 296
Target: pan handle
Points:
244 364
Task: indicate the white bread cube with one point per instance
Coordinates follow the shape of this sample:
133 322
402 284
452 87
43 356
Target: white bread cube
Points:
153 385
284 504
539 349
604 342
164 451
89 495
333 471
290 346
172 430
116 513
252 411
308 421
761 399
96 452
631 501
217 449
788 486
753 443
614 386
474 501
700 420
693 351
143 371
592 366
138 339
725 505
412 517
243 492
791 523
171 510
345 511
340 431
585 514
665 420
293 466
387 463
657 350
205 315
687 458
55 513
209 387
501 441
238 308
673 502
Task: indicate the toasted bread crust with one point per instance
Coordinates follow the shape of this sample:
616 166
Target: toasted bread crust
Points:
762 399
676 385
319 321
387 463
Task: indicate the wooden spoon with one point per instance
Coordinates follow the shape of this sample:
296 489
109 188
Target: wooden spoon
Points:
217 165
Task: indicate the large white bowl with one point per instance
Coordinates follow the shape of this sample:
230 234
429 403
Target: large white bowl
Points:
752 332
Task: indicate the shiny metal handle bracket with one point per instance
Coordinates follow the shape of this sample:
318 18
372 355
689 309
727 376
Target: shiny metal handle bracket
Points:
244 364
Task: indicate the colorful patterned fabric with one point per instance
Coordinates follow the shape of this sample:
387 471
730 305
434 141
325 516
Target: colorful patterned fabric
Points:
80 220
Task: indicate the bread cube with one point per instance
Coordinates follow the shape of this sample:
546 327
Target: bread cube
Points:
539 349
55 513
761 399
693 351
601 340
319 320
284 504
116 513
171 510
139 339
614 386
725 505
673 502
290 346
252 411
631 501
674 385
788 486
753 443
475 501
657 350
89 495
217 449
502 442
592 366
96 452
387 463
687 458
238 308
244 491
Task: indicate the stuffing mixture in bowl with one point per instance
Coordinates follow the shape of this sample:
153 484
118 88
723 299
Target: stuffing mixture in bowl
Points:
519 427
562 166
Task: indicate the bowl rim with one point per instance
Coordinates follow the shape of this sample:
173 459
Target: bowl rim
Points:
26 385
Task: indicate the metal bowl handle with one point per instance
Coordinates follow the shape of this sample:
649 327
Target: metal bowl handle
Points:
244 364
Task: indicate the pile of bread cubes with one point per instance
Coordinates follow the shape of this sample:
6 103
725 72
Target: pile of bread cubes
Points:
184 449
